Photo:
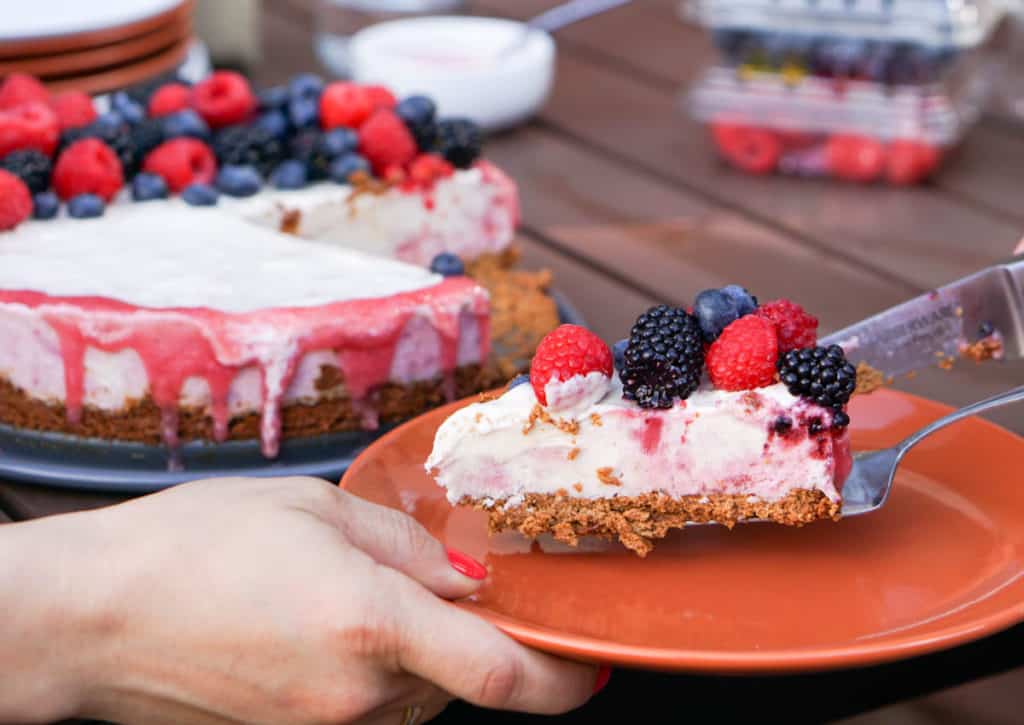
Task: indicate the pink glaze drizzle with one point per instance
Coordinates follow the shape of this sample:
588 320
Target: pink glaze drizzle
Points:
181 343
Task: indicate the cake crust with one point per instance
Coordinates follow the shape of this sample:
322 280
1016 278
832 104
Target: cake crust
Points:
636 521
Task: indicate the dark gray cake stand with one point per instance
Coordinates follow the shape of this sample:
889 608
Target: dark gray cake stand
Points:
67 461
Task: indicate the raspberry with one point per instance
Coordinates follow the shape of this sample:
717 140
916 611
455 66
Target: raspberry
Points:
663 359
170 98
855 158
345 104
15 201
754 150
567 351
385 141
29 126
88 166
910 162
73 109
19 88
181 162
426 169
744 355
795 327
381 97
224 98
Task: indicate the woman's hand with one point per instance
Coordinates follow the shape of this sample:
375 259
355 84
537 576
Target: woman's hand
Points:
257 601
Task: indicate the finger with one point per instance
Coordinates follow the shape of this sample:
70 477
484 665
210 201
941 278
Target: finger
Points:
473 660
398 541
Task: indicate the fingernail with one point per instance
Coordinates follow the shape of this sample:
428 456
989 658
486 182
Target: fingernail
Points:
604 673
467 565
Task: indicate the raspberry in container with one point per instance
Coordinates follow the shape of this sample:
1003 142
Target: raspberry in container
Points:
856 131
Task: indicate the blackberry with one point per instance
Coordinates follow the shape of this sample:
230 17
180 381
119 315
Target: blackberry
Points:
244 145
146 136
308 147
426 135
31 166
418 114
118 137
459 141
822 375
664 359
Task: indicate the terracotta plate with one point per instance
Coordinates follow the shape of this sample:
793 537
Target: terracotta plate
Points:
941 564
126 75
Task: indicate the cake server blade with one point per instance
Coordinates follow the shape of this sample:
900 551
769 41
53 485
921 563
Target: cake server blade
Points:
936 327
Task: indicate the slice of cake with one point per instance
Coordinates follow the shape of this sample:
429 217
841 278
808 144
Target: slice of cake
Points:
668 434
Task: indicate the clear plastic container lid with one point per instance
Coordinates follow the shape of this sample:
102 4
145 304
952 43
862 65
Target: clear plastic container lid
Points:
941 23
937 114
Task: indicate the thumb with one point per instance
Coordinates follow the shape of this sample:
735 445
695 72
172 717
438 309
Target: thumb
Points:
396 540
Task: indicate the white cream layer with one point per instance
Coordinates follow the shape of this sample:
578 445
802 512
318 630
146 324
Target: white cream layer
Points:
717 442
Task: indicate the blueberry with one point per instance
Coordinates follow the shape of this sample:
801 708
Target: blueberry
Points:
304 112
200 195
45 205
447 264
109 122
273 97
746 303
340 141
619 353
86 206
416 110
343 167
186 123
291 174
275 123
130 109
306 85
714 311
518 380
239 180
146 186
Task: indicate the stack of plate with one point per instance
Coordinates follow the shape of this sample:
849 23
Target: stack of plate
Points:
94 46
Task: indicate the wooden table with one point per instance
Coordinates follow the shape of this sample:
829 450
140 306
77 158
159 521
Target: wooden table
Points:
624 199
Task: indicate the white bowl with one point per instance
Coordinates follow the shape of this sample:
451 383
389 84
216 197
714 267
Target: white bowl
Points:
463 63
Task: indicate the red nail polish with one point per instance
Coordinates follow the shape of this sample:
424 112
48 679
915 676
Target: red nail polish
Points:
604 673
467 565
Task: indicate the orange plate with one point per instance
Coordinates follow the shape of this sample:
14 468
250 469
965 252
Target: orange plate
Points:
127 75
940 565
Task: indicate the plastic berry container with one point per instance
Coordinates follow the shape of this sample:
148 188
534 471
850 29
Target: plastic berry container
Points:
863 131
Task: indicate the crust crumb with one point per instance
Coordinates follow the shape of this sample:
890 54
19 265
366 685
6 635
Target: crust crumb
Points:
577 487
595 420
868 379
984 349
290 221
573 453
538 413
607 476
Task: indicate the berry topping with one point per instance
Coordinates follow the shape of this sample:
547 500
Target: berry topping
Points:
45 205
308 147
416 110
381 97
86 206
715 311
19 89
248 146
664 358
447 264
855 158
426 169
304 112
15 201
796 328
130 109
291 174
170 98
223 98
745 302
239 180
306 85
820 374
186 123
146 187
518 380
181 162
459 140
29 126
340 141
88 166
346 104
910 162
566 352
273 98
343 167
275 123
619 354
200 195
755 150
385 141
73 108
744 355
31 166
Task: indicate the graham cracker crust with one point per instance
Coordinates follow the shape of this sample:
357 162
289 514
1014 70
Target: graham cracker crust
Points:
636 521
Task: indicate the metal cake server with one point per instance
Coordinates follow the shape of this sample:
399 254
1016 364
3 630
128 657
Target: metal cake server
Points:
935 327
868 485
559 17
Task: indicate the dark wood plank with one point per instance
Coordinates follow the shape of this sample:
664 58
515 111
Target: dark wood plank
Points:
4 518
